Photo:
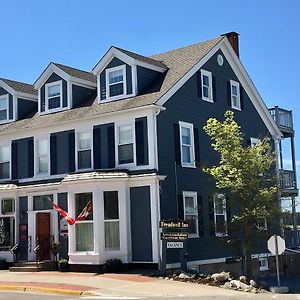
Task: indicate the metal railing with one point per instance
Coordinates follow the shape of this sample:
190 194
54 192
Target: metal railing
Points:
287 179
282 117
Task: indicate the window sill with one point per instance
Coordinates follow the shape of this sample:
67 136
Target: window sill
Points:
119 97
220 235
208 100
188 166
193 236
52 111
236 108
264 269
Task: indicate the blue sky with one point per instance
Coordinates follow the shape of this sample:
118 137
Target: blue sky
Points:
78 33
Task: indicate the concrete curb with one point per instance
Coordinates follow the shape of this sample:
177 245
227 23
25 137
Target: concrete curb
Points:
25 288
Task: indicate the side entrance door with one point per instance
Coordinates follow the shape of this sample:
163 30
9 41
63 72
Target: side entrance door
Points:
43 235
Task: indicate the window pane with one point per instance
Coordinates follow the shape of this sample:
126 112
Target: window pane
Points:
54 103
220 204
189 205
4 170
125 134
186 154
111 208
220 224
43 164
54 90
234 101
112 235
42 202
125 154
205 92
4 154
116 89
84 237
84 206
115 76
8 206
84 141
3 104
3 114
205 80
186 135
84 159
43 147
192 221
234 90
7 233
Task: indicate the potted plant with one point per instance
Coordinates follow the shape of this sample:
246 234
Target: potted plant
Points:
63 265
55 248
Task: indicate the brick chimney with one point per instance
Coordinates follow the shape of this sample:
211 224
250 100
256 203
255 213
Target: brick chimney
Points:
233 38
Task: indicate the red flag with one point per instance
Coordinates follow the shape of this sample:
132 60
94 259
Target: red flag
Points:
63 213
86 211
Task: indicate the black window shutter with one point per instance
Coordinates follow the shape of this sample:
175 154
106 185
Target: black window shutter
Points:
242 97
199 84
200 215
71 151
214 89
111 145
14 160
229 94
177 144
197 146
53 154
141 138
96 147
180 207
30 158
212 231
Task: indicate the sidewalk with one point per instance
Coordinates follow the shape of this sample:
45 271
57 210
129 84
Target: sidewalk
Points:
89 284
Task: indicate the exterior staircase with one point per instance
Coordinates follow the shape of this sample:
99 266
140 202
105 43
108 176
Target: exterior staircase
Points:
32 266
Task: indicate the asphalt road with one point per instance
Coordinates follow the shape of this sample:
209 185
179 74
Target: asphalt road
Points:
239 296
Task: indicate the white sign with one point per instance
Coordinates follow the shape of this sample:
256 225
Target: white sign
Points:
176 245
63 231
272 244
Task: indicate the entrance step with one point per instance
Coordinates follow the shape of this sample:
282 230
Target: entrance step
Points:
32 266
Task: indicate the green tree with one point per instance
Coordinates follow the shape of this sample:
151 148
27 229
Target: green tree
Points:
248 174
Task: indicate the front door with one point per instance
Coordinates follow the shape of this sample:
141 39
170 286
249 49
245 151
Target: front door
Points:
43 235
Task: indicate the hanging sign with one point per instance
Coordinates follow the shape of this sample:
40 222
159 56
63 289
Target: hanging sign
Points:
174 224
63 231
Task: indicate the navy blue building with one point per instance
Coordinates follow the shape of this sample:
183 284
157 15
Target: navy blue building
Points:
118 149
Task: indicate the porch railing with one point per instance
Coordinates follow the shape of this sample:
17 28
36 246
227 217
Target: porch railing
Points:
282 117
287 179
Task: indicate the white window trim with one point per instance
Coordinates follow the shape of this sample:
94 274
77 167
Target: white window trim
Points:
220 234
77 149
12 214
107 71
194 196
117 125
36 163
266 266
10 166
191 127
265 224
47 109
237 85
254 141
210 97
5 97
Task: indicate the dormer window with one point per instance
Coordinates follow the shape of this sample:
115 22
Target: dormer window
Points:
3 108
53 95
116 82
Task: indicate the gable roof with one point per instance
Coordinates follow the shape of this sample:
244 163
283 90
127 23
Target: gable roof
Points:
20 86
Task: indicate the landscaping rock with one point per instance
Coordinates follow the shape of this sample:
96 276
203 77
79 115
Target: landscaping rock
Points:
184 276
221 277
243 279
253 283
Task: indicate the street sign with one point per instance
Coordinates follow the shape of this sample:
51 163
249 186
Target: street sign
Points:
174 245
272 244
174 224
174 236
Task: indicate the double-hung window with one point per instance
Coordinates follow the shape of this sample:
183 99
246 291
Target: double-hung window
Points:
220 214
3 108
116 82
206 85
84 222
191 212
111 221
42 156
187 144
4 162
84 147
125 144
235 95
53 95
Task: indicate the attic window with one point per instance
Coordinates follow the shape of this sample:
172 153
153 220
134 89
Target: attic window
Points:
3 108
53 95
116 82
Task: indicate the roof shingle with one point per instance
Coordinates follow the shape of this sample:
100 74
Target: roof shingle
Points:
20 86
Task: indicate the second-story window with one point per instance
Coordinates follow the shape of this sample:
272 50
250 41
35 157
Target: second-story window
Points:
42 157
125 144
53 95
116 81
235 95
187 144
4 162
3 108
84 150
220 214
206 85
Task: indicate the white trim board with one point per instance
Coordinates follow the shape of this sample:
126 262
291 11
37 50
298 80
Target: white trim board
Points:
243 78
